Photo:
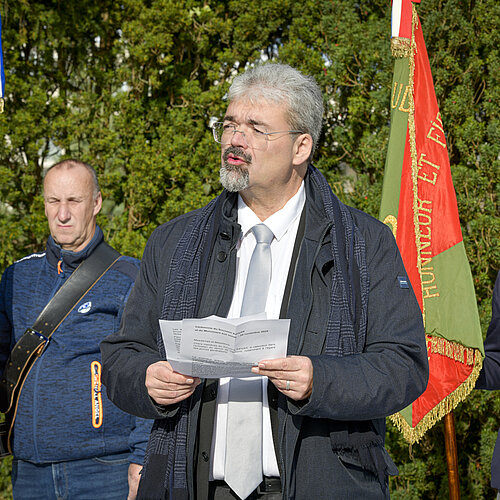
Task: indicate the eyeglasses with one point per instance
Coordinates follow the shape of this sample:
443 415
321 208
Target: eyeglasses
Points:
254 138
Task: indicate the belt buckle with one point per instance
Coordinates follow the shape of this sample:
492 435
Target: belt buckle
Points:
269 485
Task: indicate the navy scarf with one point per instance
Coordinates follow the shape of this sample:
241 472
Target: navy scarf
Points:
345 334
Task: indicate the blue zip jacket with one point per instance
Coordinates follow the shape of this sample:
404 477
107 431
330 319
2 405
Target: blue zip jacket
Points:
62 413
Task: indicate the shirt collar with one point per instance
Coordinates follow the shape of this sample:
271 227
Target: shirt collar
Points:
280 221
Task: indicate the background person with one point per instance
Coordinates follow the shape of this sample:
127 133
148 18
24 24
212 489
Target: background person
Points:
489 378
64 447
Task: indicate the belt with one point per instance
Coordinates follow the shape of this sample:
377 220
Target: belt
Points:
268 486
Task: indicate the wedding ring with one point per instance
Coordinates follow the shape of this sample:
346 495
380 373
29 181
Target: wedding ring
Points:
287 385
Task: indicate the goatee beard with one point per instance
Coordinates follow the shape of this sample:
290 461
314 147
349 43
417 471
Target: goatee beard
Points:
234 178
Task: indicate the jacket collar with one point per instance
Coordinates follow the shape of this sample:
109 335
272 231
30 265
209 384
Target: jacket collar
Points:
71 260
317 220
317 229
229 228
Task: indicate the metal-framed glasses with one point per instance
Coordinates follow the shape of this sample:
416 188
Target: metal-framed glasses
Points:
254 138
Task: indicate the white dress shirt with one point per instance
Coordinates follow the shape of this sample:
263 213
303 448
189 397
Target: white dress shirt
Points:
284 224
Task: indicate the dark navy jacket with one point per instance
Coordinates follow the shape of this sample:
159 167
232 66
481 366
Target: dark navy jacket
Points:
59 413
489 378
360 389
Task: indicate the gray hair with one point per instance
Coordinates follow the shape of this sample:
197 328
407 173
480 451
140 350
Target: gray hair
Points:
70 163
280 83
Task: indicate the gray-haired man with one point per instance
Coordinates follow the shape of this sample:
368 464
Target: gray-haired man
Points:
356 349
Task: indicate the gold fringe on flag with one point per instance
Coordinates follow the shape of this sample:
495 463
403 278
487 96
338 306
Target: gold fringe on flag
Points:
401 47
413 147
449 403
452 350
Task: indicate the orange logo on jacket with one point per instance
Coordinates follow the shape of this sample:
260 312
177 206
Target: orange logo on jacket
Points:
95 369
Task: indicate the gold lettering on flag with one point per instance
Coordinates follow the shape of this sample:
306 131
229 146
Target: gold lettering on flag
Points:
437 125
427 275
429 175
428 172
404 102
429 290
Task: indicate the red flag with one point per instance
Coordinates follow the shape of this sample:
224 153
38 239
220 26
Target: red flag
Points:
401 18
419 203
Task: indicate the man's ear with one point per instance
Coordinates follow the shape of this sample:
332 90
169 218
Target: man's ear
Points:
97 203
302 148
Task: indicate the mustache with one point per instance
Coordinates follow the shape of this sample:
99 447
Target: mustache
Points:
236 151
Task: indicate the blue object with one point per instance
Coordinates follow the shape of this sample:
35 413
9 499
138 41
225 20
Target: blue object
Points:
59 418
2 74
104 478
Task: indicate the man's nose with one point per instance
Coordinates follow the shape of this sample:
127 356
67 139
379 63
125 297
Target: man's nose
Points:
239 139
63 213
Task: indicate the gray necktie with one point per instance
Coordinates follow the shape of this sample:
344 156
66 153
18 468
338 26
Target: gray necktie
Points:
243 467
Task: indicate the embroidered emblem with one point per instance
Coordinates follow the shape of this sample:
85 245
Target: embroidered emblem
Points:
403 282
85 308
95 369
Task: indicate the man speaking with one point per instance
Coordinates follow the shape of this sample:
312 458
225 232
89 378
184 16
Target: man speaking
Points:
276 240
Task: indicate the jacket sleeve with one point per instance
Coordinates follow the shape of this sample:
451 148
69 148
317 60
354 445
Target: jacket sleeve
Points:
141 428
5 322
127 353
392 370
489 378
138 440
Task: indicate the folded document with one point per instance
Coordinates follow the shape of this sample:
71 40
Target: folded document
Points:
216 347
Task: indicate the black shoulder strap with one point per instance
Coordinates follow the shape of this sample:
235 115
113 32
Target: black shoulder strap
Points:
76 287
33 342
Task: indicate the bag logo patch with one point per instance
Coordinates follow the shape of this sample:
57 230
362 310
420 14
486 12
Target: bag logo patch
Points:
85 308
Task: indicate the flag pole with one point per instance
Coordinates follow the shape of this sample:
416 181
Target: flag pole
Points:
450 440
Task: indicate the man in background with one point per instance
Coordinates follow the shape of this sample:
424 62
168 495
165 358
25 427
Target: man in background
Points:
489 378
70 441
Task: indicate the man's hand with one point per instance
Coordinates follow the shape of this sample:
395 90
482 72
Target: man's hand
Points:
167 387
134 476
293 376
